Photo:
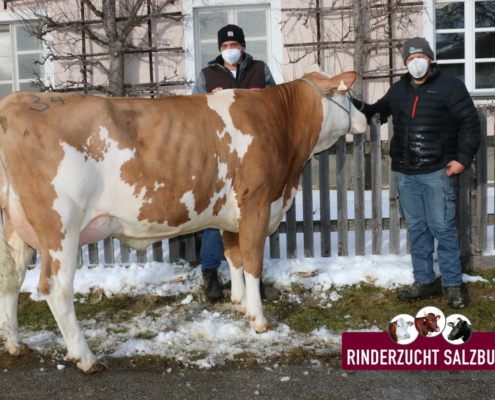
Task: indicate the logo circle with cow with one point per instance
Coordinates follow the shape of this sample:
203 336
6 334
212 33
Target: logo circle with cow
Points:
429 321
458 329
401 329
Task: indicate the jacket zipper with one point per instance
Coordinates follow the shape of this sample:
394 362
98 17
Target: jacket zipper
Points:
414 107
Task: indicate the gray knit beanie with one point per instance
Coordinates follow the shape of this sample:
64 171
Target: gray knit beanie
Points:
416 45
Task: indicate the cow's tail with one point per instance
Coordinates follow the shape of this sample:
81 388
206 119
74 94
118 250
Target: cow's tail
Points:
8 272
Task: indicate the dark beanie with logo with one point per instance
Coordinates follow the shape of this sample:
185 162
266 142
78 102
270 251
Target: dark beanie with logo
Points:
416 45
231 32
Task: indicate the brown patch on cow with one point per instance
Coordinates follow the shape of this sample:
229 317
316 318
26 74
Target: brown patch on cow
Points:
95 148
219 204
172 151
26 133
3 124
34 177
231 247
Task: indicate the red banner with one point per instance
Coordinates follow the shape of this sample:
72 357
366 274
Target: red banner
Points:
376 351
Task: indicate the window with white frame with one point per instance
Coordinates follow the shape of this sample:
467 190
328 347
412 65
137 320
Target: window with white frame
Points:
254 21
465 38
18 51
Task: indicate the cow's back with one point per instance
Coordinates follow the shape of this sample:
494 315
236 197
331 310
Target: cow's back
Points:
158 162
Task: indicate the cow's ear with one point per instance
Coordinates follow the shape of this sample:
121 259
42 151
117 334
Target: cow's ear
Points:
410 323
342 82
313 68
450 324
438 316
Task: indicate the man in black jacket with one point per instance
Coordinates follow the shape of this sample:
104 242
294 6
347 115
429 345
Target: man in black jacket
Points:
233 68
436 135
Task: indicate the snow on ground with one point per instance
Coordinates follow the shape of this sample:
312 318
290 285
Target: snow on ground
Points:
196 333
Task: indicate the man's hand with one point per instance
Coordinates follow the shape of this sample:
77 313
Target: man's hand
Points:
455 168
217 89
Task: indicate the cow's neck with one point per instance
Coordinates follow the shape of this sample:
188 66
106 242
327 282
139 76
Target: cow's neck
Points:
303 118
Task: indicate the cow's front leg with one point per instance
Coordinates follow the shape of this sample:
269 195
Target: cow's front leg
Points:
14 258
234 258
253 229
56 283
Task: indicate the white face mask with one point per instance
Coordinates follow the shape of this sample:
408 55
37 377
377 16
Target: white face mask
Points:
231 55
418 67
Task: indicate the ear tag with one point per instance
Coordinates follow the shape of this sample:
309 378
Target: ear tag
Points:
342 86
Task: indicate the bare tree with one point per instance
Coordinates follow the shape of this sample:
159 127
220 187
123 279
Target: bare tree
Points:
359 29
88 38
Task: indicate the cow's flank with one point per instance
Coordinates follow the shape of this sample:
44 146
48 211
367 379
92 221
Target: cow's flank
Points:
143 170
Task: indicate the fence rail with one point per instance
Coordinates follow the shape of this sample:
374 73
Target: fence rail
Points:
367 160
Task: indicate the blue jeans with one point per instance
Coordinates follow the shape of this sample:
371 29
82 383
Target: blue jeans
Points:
211 252
427 204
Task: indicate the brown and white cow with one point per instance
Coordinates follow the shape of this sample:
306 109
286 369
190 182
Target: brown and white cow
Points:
76 169
398 329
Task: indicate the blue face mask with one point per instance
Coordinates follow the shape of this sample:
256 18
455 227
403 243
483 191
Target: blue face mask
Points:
231 55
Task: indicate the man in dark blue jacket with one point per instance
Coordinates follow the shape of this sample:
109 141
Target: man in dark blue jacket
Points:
436 135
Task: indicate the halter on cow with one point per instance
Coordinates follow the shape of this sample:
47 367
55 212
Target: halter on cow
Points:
143 170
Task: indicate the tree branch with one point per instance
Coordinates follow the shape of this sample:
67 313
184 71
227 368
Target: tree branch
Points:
131 22
93 8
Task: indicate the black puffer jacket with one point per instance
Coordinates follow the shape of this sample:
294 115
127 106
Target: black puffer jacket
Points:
433 124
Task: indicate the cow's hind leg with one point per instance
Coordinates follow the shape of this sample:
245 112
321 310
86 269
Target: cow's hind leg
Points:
56 283
234 258
14 257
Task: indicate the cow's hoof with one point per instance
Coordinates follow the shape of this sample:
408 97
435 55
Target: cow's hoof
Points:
264 328
240 308
96 368
24 350
20 351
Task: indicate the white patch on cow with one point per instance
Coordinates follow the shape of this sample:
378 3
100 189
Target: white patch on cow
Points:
254 308
277 209
336 121
193 178
401 329
238 286
293 193
158 186
80 181
188 200
220 102
276 214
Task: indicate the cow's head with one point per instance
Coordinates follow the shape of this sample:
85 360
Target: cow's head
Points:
340 115
430 321
458 330
401 326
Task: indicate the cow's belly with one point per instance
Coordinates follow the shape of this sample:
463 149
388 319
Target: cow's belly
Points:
125 224
19 222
